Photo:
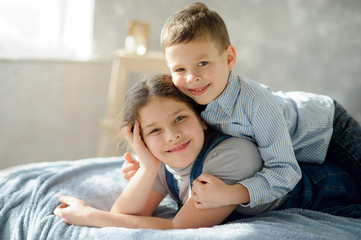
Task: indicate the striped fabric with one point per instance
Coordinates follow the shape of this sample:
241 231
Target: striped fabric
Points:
285 126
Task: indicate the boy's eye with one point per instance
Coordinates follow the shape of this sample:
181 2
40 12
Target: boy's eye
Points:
203 63
179 118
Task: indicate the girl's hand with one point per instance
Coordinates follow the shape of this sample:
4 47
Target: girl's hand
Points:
129 167
74 211
134 138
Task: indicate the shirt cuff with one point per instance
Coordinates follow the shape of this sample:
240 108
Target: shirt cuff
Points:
258 192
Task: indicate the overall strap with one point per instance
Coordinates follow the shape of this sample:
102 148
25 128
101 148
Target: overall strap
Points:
197 166
173 186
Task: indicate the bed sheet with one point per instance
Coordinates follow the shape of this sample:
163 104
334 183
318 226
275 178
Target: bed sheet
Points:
28 196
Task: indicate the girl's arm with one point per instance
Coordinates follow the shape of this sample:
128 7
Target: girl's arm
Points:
78 212
138 197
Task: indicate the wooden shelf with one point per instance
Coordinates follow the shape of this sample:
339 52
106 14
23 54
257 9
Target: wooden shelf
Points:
123 64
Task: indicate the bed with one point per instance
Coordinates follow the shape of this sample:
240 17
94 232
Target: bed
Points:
28 195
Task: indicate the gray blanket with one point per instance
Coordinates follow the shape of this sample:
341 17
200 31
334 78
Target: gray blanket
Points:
28 196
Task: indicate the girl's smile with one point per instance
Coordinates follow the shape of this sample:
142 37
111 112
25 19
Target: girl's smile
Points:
179 148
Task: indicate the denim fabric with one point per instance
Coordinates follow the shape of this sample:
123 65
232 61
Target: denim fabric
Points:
345 145
325 188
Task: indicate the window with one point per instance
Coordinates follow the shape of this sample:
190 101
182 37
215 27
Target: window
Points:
46 29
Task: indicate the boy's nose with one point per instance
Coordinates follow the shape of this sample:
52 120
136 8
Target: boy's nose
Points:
193 77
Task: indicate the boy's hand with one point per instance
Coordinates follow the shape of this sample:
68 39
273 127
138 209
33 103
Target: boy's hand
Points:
130 166
211 192
73 211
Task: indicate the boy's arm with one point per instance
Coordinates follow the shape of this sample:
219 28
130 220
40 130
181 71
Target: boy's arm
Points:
280 172
78 212
129 167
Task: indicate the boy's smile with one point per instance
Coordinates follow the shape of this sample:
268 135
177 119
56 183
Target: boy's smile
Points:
199 70
173 133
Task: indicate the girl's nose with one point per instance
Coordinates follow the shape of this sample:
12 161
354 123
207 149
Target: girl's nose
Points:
173 135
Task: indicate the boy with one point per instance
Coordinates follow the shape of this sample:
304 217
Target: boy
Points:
285 126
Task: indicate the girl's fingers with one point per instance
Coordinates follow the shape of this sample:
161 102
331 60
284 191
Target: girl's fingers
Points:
65 199
136 130
127 132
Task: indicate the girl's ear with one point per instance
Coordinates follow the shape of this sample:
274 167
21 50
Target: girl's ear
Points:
204 125
231 56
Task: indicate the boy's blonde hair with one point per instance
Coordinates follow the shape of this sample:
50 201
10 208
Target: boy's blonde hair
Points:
195 22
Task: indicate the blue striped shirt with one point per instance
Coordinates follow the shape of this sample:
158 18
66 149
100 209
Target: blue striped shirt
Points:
285 126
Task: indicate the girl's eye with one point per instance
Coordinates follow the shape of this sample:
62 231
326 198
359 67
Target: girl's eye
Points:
179 118
180 70
154 131
203 63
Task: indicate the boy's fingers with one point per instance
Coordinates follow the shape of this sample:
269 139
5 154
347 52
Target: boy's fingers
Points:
204 178
129 158
129 167
129 175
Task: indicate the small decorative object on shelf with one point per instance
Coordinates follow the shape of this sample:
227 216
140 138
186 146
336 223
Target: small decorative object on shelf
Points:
124 63
137 39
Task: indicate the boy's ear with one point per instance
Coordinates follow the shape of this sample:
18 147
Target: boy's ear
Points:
231 56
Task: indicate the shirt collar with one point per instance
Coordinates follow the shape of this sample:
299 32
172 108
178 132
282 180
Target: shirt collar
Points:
229 96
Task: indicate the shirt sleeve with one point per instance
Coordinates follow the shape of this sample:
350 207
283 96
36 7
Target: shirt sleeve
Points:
159 184
280 172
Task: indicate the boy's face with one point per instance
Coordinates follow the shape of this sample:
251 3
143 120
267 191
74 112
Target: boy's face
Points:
173 133
199 70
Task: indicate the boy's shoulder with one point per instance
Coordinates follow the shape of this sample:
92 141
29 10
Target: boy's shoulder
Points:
243 87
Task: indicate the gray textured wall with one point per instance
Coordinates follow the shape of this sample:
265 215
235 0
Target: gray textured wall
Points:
286 44
50 110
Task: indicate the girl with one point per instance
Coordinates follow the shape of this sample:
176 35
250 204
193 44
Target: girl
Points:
175 146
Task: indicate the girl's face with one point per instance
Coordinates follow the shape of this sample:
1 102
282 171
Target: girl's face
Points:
173 133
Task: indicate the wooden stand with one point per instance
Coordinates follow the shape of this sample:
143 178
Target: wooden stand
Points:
123 64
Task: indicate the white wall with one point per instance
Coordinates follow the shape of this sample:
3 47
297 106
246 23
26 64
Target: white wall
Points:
50 110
